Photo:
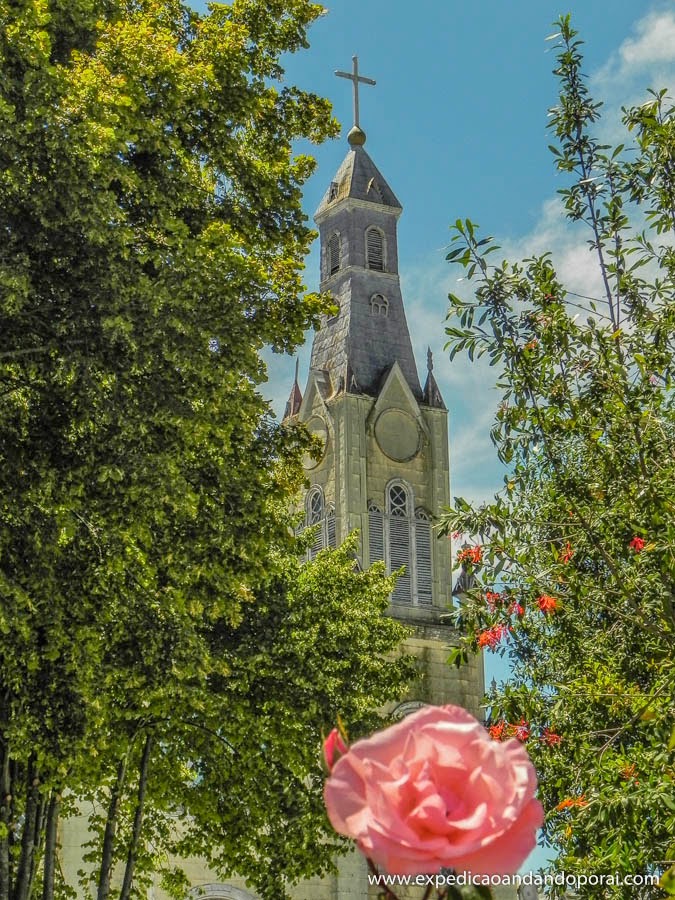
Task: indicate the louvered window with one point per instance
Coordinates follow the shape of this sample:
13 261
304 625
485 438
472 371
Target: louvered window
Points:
330 527
399 542
333 253
379 305
407 542
314 506
375 249
375 532
423 556
315 517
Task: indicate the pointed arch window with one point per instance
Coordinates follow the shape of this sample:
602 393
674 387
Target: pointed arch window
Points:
333 261
379 305
403 538
314 506
375 249
321 517
423 565
314 516
399 544
375 532
330 527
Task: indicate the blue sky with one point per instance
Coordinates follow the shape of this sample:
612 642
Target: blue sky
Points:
457 126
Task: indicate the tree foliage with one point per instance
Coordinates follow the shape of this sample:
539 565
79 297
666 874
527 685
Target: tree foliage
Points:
575 574
152 240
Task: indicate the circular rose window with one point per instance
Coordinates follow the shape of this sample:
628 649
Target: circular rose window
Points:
398 435
317 428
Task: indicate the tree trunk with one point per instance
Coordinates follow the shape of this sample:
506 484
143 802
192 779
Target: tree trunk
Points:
37 842
110 831
28 846
138 820
5 800
50 845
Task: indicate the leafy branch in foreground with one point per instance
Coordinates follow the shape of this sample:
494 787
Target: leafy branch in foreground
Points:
153 241
574 569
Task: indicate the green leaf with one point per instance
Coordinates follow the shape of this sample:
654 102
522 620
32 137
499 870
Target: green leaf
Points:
667 881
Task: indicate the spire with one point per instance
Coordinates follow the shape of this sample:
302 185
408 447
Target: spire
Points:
358 178
295 398
357 221
432 394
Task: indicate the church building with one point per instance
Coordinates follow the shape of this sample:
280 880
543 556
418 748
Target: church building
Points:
384 466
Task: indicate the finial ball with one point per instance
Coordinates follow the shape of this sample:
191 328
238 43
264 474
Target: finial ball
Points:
356 137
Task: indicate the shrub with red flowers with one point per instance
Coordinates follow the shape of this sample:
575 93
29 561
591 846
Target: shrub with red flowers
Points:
499 730
493 599
521 731
546 603
586 428
567 553
550 738
472 555
493 636
516 609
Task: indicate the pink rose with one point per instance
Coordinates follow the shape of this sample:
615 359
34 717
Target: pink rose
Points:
434 791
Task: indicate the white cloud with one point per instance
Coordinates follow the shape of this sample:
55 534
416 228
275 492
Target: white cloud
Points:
654 42
644 60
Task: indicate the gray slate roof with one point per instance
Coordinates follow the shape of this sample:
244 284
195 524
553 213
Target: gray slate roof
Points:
359 178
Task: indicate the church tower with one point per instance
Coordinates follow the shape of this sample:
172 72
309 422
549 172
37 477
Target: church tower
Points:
384 467
385 464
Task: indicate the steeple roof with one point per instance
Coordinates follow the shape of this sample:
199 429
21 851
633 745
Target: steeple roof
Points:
357 221
432 393
358 178
295 399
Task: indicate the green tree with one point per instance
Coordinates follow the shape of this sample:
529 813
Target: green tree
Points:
575 573
152 243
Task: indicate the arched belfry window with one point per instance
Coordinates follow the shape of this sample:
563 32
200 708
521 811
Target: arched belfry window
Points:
318 514
399 543
375 532
375 249
330 526
402 537
423 566
333 255
379 305
314 506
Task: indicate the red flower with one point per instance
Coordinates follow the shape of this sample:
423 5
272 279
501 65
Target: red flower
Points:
547 604
521 731
470 554
456 535
637 544
491 637
570 802
493 598
550 738
629 773
498 730
516 609
567 553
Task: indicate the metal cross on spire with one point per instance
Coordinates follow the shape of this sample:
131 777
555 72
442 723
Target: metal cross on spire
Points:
356 79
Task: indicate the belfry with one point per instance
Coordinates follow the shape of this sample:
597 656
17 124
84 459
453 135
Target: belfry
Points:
385 463
384 468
